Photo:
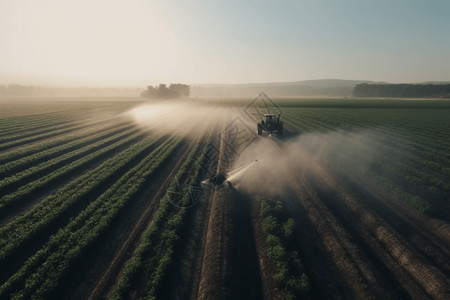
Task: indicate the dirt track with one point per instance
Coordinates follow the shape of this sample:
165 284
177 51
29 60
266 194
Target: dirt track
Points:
229 264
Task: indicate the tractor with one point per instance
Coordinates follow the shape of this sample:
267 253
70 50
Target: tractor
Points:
270 124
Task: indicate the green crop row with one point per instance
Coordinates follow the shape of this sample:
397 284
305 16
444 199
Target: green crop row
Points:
381 116
413 200
299 123
287 263
14 234
302 123
155 252
51 164
10 126
367 145
25 162
418 155
48 166
42 147
45 135
425 146
414 176
14 132
40 274
342 120
427 188
100 149
425 158
38 131
371 118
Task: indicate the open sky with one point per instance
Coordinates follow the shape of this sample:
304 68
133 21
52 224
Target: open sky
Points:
141 42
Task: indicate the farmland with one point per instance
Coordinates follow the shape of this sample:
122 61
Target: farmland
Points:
108 199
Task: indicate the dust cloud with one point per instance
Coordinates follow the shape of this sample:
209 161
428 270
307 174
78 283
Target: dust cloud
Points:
189 119
269 163
345 154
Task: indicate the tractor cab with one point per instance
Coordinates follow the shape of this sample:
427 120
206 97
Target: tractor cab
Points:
270 118
270 124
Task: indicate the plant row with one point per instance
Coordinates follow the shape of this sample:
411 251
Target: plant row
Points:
47 167
427 172
21 229
146 269
40 183
41 136
14 166
278 231
42 273
370 117
26 123
422 132
37 131
42 147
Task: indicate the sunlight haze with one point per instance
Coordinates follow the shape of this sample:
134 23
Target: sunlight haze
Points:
136 43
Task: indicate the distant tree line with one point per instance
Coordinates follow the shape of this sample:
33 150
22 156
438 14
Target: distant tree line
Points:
402 90
175 90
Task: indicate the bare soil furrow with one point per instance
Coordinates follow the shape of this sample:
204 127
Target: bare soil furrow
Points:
358 277
430 278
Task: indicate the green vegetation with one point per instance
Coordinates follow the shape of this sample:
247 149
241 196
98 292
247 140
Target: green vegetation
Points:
42 272
60 162
68 171
155 253
48 209
15 162
290 276
402 90
404 145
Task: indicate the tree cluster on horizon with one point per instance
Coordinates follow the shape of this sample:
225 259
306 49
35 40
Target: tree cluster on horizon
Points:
175 90
403 90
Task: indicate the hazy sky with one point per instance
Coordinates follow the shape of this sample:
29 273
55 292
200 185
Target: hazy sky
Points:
140 42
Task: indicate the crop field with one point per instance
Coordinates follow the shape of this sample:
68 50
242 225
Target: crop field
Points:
109 198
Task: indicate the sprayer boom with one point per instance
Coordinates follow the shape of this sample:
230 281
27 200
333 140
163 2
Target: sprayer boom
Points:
220 178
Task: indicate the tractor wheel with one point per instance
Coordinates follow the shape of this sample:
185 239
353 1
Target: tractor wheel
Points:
280 130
